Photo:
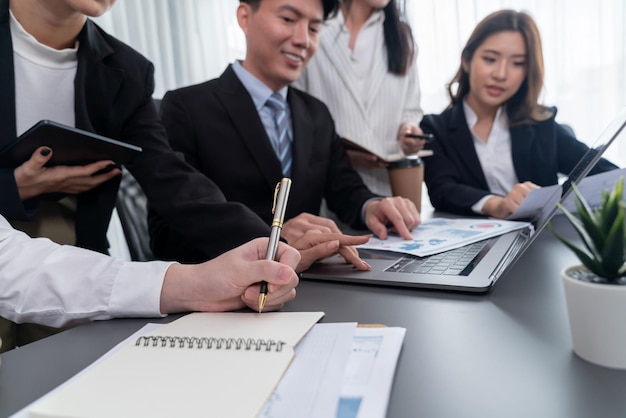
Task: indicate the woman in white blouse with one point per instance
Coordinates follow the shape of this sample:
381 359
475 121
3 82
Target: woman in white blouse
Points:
365 72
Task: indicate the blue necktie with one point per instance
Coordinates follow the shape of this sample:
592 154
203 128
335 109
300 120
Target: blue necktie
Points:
281 142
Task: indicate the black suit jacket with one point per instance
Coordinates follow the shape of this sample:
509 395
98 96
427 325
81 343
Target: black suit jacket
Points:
455 178
113 97
218 129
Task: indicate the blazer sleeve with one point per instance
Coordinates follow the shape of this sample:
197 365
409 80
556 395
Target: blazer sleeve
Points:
571 150
346 194
451 187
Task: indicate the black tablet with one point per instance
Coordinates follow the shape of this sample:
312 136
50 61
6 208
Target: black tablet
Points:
70 146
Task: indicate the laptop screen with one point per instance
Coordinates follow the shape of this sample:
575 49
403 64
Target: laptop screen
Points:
615 129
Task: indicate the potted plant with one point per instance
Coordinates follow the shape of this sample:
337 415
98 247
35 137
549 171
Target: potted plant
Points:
595 291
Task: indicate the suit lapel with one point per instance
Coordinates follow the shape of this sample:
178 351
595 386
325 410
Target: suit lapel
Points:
96 86
8 129
522 138
240 107
303 139
95 97
462 143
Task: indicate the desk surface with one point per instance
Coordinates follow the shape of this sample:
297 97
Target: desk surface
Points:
507 353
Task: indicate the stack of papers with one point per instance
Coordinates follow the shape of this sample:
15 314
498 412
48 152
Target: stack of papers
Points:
442 234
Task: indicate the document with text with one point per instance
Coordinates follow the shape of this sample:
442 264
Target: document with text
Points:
442 234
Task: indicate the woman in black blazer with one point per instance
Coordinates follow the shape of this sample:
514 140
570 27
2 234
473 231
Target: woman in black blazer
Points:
495 142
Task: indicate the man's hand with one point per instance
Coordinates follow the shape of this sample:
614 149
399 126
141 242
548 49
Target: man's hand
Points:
232 280
296 227
398 211
315 246
33 179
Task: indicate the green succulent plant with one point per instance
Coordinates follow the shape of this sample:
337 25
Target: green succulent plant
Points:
603 233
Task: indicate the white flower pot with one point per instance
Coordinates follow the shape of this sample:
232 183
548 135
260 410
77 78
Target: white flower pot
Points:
597 315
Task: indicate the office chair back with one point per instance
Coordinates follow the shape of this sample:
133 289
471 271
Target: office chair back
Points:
132 208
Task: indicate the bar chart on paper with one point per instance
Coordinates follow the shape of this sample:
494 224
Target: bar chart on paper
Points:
369 374
339 370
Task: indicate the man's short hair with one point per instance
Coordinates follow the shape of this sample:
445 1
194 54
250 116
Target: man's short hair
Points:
330 6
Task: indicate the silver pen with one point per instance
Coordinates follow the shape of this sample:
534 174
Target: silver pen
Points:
281 194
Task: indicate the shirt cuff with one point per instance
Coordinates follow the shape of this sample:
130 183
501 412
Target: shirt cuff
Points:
137 289
371 199
478 206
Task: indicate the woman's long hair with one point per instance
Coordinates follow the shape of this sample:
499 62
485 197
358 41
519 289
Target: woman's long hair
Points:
523 107
399 41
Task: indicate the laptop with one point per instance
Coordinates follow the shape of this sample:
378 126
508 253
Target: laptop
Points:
475 267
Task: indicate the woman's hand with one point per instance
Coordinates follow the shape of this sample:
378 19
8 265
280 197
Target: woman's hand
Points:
34 179
501 207
408 144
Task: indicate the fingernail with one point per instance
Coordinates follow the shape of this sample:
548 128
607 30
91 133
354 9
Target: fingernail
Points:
45 152
332 245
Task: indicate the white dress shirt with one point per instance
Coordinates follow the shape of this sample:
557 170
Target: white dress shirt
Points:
494 155
50 284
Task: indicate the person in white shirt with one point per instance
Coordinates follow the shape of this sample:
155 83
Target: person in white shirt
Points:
56 285
365 71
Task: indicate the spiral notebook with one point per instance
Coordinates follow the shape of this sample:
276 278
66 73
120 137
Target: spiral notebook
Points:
203 364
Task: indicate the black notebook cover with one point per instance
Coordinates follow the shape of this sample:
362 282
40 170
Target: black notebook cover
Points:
70 146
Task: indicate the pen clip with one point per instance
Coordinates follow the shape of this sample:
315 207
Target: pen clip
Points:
276 189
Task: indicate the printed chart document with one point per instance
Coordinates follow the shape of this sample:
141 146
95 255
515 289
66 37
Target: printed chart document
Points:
590 187
311 386
535 201
359 371
369 374
442 234
203 364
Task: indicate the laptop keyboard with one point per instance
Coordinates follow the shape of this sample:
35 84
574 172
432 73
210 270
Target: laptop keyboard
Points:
454 262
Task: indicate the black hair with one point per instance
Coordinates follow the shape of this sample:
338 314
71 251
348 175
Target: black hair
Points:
523 107
399 41
330 6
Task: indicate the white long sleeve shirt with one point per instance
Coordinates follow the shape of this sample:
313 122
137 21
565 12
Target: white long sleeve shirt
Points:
50 284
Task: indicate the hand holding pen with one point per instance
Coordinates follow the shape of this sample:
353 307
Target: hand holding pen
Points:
281 194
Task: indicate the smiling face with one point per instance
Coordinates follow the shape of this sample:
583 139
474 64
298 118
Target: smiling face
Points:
281 37
496 70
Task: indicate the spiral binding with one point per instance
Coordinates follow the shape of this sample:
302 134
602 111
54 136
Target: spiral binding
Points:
217 343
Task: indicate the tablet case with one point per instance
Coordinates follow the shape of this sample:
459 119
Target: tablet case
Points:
70 146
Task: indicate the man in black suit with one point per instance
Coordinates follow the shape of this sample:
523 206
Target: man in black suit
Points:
225 128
